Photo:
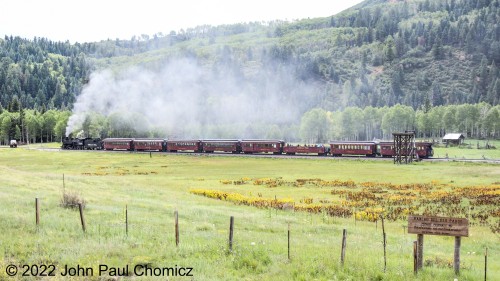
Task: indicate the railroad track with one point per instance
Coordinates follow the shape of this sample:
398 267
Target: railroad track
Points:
282 156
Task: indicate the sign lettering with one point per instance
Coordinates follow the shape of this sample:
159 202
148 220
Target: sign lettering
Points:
438 225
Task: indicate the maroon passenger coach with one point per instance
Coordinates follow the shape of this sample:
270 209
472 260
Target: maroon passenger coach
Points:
305 149
210 146
353 148
184 145
118 144
424 149
262 146
149 144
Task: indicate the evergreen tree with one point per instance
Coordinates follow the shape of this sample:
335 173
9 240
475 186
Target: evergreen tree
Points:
437 50
494 93
14 105
389 49
437 94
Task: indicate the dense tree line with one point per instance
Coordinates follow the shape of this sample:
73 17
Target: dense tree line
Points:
41 73
416 56
31 125
480 121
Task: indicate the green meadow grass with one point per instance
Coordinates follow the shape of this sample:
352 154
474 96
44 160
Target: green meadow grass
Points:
153 188
469 150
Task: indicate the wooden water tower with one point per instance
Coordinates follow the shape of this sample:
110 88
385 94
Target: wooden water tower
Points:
404 147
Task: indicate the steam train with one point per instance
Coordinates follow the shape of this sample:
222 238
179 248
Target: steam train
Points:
277 147
81 144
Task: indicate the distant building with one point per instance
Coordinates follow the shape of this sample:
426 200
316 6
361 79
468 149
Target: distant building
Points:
453 139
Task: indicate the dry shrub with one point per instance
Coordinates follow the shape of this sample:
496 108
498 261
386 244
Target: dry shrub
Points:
72 199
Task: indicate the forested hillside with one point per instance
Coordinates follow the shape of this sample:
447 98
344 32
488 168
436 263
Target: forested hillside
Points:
422 55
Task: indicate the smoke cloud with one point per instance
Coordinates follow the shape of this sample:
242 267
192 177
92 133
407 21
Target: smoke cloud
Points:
184 99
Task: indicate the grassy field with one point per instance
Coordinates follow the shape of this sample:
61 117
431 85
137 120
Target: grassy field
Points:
473 149
153 188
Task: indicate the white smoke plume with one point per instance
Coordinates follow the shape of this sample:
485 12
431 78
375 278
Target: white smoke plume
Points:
185 100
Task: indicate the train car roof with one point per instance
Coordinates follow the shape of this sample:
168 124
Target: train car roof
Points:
220 140
352 142
417 142
151 139
183 140
261 141
117 139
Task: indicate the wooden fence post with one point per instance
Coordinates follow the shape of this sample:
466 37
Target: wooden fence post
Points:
231 225
288 241
176 215
342 253
126 220
37 211
485 263
385 243
82 219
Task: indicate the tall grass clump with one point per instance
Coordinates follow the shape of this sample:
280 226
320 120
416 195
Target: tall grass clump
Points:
72 200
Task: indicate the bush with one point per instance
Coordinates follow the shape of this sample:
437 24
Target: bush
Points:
71 200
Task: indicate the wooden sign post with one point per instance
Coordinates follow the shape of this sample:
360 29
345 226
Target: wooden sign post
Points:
421 225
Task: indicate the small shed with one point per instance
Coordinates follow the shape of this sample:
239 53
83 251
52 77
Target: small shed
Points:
453 139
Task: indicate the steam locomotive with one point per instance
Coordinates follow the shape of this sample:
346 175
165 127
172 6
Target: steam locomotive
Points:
277 147
81 144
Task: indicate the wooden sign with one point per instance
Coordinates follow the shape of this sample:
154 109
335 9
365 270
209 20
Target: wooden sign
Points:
438 226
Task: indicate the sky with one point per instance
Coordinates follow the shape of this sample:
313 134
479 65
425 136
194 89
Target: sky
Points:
95 20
